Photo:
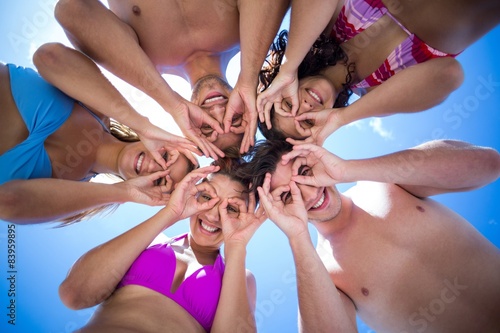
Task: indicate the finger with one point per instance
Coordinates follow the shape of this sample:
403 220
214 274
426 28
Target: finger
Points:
228 116
237 130
173 155
295 104
297 163
216 152
286 158
159 159
189 155
210 121
261 214
224 216
266 185
279 110
304 180
295 191
251 201
278 191
302 131
267 115
240 203
265 201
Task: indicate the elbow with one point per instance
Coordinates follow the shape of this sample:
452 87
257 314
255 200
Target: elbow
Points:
67 11
47 57
70 295
9 204
492 162
451 74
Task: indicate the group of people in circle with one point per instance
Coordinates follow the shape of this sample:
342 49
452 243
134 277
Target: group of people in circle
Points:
376 252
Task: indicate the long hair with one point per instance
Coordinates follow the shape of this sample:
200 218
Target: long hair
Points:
125 134
325 52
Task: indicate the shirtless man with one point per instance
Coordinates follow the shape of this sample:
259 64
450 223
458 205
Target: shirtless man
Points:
196 39
401 261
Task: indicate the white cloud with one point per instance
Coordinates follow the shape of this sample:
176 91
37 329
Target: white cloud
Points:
377 127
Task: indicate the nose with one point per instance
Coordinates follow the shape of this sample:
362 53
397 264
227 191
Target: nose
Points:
217 112
153 166
305 106
212 215
309 193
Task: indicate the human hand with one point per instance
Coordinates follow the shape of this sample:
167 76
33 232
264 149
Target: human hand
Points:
314 165
284 86
325 122
191 119
157 141
183 201
241 114
240 222
285 207
146 189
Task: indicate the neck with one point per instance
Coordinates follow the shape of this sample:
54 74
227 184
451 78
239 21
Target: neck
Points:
107 155
333 228
204 254
337 75
200 66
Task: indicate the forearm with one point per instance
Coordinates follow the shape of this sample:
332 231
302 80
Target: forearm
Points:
308 20
235 310
42 200
414 89
113 44
79 77
97 273
434 167
320 306
259 23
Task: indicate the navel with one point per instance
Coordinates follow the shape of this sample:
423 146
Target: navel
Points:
136 10
365 291
420 209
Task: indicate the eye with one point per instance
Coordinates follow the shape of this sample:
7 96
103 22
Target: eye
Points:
237 120
308 123
304 170
232 210
206 129
204 197
288 105
286 197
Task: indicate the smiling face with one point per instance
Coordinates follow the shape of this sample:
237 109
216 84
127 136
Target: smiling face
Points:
322 203
315 93
135 160
211 93
206 225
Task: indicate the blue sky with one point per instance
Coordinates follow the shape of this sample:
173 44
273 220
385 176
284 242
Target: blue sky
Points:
45 254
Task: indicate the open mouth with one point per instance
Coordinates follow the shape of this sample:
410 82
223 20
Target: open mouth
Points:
315 95
138 162
208 228
321 202
214 98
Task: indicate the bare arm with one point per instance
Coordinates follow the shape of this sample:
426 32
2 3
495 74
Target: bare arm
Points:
307 22
235 311
94 276
259 23
434 167
414 89
320 305
113 44
42 200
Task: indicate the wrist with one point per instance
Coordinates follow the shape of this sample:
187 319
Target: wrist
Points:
234 250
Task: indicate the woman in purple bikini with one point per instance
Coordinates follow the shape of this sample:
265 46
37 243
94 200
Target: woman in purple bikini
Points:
183 285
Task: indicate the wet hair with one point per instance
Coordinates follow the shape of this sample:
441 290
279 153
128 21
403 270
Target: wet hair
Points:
263 158
325 52
125 134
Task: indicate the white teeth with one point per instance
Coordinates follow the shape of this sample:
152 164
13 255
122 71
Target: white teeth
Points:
139 163
213 99
208 228
320 202
315 96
